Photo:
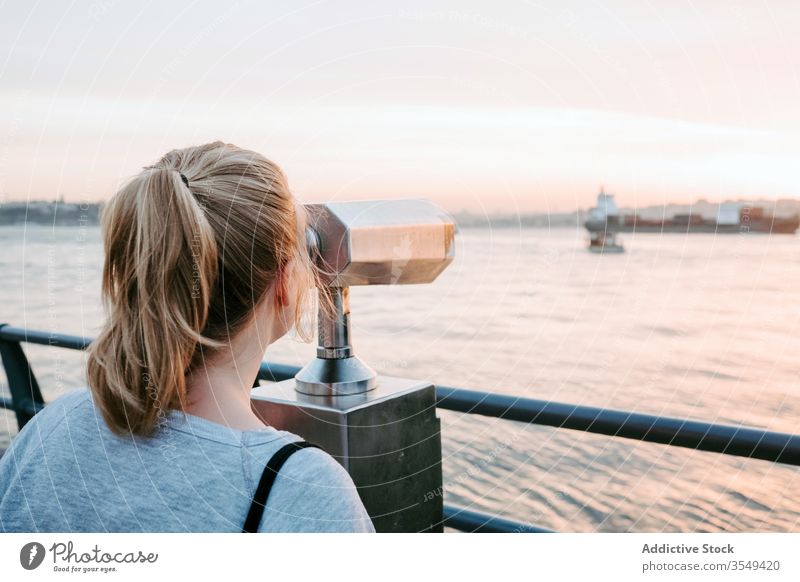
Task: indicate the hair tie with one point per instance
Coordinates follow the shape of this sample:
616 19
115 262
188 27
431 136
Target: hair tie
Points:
185 179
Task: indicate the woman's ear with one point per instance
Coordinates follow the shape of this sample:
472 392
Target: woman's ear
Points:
282 280
280 288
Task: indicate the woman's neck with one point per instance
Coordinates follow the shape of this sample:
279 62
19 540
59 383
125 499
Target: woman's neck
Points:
219 389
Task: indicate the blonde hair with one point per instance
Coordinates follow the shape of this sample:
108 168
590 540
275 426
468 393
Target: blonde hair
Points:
192 244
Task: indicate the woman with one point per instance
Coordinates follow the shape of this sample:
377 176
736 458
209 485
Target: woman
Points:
205 266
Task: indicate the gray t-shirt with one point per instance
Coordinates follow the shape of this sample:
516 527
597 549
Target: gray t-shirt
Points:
67 472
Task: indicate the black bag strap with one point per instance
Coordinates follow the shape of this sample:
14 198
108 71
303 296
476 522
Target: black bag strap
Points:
267 480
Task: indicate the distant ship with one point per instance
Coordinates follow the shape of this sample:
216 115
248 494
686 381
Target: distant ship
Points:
732 218
604 242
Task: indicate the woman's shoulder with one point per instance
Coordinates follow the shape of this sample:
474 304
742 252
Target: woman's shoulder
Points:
71 399
308 465
33 440
318 495
56 412
315 466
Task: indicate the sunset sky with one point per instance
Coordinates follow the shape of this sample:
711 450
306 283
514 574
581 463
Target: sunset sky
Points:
492 106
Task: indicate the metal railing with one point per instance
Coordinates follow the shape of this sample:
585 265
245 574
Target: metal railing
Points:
742 441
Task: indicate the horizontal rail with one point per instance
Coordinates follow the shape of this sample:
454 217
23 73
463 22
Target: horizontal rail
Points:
28 406
474 522
719 438
276 372
6 403
32 336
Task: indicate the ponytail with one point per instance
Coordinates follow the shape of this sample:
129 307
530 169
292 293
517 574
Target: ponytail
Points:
159 277
192 245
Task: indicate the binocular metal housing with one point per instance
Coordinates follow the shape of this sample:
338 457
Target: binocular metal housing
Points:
379 242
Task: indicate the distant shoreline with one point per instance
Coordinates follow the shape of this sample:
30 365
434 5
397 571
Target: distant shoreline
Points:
60 213
56 213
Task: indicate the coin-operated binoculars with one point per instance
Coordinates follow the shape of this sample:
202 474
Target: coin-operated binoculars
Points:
382 429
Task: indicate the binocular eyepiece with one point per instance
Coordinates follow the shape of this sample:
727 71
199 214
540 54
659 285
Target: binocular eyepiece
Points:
376 242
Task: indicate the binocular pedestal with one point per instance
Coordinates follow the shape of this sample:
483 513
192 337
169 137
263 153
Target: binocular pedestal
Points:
388 440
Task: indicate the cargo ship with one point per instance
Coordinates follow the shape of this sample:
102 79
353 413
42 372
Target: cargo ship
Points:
732 218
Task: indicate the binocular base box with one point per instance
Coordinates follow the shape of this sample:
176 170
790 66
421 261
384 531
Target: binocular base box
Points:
388 440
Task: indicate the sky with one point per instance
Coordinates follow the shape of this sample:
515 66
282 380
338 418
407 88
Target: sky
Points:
519 106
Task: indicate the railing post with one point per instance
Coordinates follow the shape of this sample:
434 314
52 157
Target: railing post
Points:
25 392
